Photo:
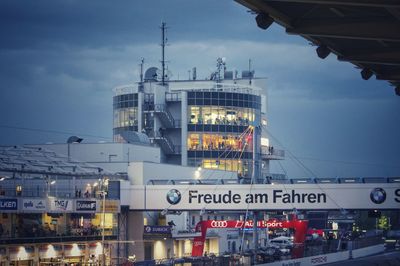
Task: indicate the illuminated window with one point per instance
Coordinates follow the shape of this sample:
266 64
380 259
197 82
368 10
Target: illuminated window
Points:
18 190
194 142
194 115
125 117
207 115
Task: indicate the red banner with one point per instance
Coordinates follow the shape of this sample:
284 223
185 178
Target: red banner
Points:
300 227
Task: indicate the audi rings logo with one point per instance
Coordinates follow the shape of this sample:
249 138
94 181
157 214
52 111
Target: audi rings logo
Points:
378 195
219 224
174 196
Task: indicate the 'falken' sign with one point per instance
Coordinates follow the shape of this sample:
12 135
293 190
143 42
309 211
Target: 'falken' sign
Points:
8 204
86 205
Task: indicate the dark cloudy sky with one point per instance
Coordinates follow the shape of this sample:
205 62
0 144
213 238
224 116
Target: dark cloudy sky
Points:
59 61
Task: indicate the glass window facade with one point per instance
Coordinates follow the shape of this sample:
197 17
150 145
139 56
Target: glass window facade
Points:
221 115
125 116
48 225
217 123
220 142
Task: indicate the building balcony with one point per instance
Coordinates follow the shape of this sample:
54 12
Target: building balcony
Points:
270 153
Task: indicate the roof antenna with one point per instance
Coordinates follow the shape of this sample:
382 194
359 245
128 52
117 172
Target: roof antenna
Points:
164 41
250 72
141 69
141 86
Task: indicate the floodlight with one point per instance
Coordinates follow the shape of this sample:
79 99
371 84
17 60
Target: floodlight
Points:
264 21
366 73
323 51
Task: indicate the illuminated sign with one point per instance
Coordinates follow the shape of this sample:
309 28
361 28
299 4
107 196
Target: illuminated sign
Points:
61 205
157 229
265 196
34 205
110 206
278 196
8 204
86 205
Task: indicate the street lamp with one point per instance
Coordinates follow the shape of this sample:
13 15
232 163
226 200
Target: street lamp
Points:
103 193
49 183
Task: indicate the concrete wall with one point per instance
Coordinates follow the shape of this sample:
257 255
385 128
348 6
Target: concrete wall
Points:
135 232
362 252
331 257
113 157
139 173
314 260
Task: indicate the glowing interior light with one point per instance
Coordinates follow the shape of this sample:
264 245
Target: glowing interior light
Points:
99 249
51 252
75 251
22 254
264 142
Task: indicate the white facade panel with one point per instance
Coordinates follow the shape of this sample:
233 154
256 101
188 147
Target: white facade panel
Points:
113 157
269 197
139 173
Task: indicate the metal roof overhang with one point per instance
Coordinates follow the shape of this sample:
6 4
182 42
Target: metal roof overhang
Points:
365 33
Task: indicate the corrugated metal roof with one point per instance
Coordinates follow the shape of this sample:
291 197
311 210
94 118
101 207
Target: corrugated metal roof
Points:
24 159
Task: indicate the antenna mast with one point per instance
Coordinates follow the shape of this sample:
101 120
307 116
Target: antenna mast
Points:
141 69
250 74
141 75
163 43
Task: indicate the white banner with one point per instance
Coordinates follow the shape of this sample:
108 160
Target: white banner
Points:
266 197
86 206
61 205
34 205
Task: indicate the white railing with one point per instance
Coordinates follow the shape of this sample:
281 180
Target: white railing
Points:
270 152
214 86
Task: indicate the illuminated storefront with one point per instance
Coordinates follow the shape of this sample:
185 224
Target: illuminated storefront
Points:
70 231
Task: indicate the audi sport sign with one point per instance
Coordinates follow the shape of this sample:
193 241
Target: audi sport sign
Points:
247 224
265 196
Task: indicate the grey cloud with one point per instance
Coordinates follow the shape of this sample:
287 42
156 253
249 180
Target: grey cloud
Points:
60 60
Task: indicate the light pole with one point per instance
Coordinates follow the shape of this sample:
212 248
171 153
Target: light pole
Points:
104 192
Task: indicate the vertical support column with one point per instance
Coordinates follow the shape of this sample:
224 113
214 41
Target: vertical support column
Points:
256 151
255 236
140 111
86 254
36 255
8 256
135 220
184 129
63 251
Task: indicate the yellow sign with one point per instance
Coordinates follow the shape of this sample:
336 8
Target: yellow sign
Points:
110 206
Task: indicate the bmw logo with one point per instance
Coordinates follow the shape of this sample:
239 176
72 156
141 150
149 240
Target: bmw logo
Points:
378 195
173 196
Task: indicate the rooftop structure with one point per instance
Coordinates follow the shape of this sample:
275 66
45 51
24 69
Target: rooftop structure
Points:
40 161
216 123
362 32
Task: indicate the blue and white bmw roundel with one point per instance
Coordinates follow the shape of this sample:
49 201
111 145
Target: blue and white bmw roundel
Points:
378 195
173 196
